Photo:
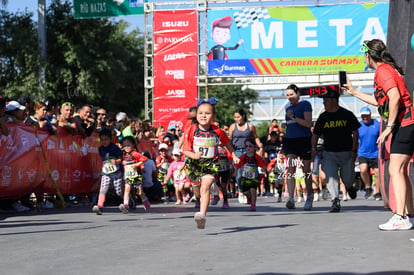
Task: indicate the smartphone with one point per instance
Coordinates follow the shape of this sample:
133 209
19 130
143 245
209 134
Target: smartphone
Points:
342 78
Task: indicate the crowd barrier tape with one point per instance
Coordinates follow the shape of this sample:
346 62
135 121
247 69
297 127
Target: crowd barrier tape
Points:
74 161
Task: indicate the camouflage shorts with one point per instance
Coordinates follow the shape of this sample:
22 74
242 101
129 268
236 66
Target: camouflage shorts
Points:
196 169
246 184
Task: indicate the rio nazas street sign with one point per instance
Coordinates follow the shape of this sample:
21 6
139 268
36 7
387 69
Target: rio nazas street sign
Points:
107 8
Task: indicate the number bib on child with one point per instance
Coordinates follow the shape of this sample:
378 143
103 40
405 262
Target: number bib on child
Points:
206 145
130 172
179 175
223 165
249 172
108 167
164 167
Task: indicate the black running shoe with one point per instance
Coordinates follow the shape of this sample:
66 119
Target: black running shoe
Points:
352 192
377 196
336 206
368 193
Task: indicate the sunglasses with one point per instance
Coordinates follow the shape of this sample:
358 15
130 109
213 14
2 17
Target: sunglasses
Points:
67 104
364 47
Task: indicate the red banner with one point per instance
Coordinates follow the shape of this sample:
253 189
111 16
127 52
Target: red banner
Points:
74 162
175 65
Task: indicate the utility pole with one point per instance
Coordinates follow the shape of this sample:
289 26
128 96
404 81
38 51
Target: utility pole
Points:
41 38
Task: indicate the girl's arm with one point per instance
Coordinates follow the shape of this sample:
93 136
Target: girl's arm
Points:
192 155
370 99
231 150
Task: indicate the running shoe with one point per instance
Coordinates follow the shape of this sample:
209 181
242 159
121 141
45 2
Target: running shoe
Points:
316 196
309 202
187 197
345 197
368 192
97 210
396 222
299 199
197 204
123 208
177 202
377 196
336 206
215 200
249 200
290 203
351 192
225 205
279 199
146 205
252 207
200 219
46 205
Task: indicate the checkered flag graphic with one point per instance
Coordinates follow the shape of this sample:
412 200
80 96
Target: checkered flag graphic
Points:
250 16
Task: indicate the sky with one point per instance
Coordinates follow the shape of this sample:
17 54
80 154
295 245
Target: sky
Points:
31 6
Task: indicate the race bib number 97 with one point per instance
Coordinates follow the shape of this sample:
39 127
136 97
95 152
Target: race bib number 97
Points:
206 145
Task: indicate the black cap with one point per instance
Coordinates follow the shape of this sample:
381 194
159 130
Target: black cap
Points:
330 93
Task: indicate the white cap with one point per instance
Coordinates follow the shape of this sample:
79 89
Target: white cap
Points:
14 105
163 146
176 151
120 116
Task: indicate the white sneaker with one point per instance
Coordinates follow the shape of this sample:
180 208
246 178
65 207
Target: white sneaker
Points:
344 197
396 223
299 199
242 198
315 196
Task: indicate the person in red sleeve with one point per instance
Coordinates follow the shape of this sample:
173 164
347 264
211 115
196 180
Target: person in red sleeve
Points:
200 147
395 106
249 163
133 166
223 177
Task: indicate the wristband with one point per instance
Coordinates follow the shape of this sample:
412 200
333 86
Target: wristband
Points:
391 125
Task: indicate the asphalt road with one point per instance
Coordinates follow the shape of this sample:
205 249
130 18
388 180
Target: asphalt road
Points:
273 240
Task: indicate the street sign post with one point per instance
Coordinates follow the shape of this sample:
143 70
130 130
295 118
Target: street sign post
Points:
106 8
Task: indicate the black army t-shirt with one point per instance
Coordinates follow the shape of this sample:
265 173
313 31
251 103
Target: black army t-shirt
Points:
336 129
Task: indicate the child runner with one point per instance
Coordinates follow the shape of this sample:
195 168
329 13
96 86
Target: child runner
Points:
133 166
223 176
111 168
300 181
200 146
249 163
177 171
277 171
163 162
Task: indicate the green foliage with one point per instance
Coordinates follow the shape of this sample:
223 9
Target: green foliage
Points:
94 61
19 58
262 128
231 98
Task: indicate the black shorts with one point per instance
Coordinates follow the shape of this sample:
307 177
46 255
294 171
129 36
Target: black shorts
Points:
300 147
223 177
246 184
403 140
372 163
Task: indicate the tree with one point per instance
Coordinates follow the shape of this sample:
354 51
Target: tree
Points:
231 98
94 60
19 58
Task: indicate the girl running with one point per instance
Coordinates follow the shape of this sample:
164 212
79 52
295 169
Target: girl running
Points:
111 169
133 166
200 147
176 170
163 162
224 173
249 164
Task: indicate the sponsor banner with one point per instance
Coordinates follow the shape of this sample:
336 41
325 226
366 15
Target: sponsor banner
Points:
292 40
175 66
106 8
74 162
